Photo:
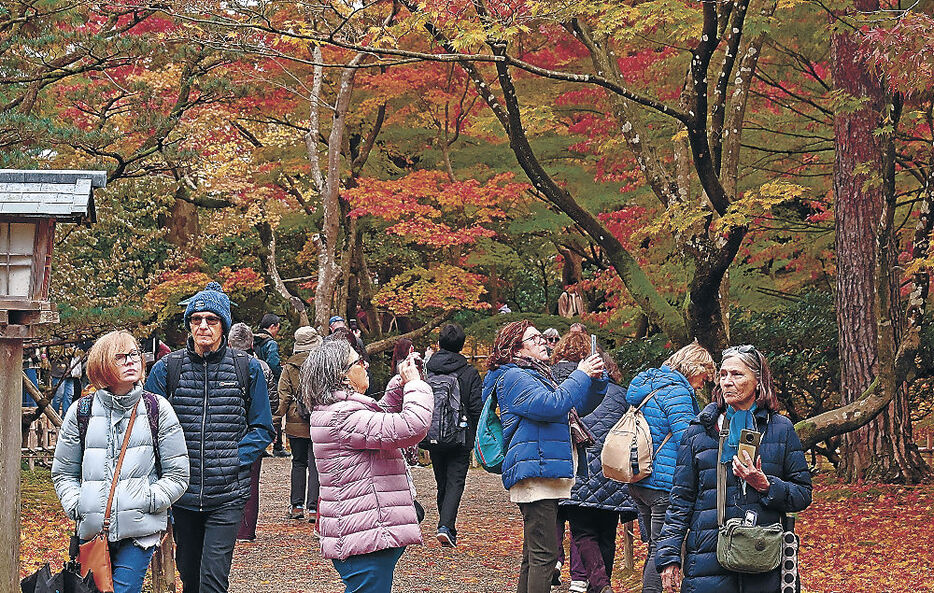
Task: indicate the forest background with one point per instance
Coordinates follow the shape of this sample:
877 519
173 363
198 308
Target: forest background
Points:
731 171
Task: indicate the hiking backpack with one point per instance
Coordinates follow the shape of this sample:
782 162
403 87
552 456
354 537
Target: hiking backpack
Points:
448 422
490 447
150 400
627 451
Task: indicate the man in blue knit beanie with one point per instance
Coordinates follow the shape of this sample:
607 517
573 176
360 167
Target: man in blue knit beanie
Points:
222 403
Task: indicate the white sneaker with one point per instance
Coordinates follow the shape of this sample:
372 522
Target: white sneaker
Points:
578 587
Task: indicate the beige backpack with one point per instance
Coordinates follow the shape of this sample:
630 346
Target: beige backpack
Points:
627 451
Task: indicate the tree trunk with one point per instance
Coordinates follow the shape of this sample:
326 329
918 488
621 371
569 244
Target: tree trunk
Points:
881 448
184 226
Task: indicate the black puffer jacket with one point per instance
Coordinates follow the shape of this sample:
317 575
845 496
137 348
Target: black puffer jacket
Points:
445 362
596 490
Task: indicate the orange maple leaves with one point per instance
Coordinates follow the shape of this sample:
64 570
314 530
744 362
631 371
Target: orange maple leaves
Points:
427 208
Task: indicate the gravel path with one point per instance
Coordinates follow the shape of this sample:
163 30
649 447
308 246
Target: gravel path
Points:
285 557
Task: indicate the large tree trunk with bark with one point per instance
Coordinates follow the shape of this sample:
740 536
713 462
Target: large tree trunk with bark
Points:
877 449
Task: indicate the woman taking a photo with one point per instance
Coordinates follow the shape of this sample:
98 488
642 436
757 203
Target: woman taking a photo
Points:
541 457
761 489
366 514
146 486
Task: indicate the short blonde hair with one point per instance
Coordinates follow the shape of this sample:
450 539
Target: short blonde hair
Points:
691 361
103 371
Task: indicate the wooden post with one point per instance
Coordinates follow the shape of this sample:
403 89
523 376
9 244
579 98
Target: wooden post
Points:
163 565
627 545
11 439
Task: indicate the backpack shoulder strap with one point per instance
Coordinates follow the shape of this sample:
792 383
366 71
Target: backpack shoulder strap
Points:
152 414
242 368
84 417
173 370
647 398
721 473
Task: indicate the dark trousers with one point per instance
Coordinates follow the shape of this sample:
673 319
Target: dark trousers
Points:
539 545
204 546
251 510
305 484
593 531
577 570
450 466
652 506
277 443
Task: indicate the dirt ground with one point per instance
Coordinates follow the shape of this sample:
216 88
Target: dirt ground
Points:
285 558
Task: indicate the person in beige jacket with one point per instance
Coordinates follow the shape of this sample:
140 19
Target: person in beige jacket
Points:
303 498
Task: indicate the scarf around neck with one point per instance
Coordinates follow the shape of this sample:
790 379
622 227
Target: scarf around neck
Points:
738 419
536 365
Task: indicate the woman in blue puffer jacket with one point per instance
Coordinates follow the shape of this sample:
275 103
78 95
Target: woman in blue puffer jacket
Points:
766 488
538 469
668 405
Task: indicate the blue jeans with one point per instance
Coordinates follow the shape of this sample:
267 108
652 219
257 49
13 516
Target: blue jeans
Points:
61 401
28 402
129 563
369 573
652 506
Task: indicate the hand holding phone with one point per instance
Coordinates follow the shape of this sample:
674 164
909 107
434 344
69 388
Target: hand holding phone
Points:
593 344
748 443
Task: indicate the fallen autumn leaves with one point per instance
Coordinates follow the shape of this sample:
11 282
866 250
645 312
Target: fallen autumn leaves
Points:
855 539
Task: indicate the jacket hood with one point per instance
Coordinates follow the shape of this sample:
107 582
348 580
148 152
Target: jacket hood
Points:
445 362
298 358
260 338
492 377
651 379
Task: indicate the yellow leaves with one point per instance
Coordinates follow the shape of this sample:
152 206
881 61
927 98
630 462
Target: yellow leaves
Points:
441 288
757 203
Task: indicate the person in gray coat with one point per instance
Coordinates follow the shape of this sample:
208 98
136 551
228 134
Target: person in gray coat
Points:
83 472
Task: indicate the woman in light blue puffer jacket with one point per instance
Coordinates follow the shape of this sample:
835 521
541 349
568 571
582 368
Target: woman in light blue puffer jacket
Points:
668 404
83 472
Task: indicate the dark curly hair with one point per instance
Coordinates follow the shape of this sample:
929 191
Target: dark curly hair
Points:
508 342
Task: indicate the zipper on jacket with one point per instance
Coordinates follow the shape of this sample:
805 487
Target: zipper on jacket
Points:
204 421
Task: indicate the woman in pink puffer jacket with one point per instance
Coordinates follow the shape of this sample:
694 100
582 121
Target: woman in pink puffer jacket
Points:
366 511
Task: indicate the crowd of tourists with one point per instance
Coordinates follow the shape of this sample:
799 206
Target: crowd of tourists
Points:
178 449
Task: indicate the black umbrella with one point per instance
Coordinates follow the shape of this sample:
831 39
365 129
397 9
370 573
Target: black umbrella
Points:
67 581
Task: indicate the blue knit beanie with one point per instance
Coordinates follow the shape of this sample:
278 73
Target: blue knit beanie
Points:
212 299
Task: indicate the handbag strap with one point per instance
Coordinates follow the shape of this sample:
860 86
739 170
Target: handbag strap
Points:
721 473
113 484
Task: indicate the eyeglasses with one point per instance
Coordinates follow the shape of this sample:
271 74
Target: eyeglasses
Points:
359 361
211 320
131 356
536 339
552 340
744 349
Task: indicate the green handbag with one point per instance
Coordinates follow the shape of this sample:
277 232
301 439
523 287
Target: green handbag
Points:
749 549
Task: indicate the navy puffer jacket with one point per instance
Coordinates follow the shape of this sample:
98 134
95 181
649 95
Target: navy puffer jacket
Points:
693 507
669 411
597 491
535 420
225 431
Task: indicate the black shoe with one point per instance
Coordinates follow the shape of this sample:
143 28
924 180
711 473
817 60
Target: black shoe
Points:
446 538
281 453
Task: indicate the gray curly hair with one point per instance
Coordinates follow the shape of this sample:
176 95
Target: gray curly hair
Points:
240 337
324 372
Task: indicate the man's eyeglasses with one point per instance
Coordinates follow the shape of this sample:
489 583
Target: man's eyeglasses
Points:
131 356
211 320
536 339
